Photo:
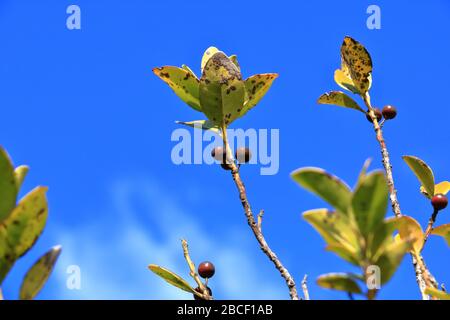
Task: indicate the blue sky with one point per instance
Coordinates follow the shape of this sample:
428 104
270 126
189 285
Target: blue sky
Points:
83 109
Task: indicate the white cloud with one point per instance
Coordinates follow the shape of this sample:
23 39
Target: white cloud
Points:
144 225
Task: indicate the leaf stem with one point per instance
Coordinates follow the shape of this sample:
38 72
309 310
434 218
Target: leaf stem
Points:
305 287
430 226
254 224
423 276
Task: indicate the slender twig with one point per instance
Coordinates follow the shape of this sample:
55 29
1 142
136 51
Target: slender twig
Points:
305 287
430 226
260 217
423 276
252 222
193 273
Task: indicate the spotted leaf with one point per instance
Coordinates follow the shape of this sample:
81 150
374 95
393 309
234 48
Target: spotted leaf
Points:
26 222
222 90
356 62
183 82
256 88
443 231
344 81
234 59
423 173
171 278
339 281
8 186
207 55
339 98
38 274
330 188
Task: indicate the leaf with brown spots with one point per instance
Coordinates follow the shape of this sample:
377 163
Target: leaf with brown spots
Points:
7 257
423 173
26 222
339 281
8 186
339 98
256 88
234 59
344 81
183 82
38 274
185 67
207 55
201 124
222 90
356 64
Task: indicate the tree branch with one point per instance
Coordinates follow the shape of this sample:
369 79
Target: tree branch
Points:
423 276
430 226
253 224
193 273
305 287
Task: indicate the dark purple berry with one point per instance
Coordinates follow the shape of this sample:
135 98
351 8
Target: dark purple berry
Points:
200 291
439 202
243 155
389 112
206 269
378 114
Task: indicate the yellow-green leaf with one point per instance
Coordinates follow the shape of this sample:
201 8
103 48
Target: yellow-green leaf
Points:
370 201
185 67
356 59
443 231
183 82
337 230
207 55
442 187
423 172
256 88
234 59
410 230
171 278
437 293
328 187
20 173
222 90
38 274
26 222
345 253
339 98
8 186
344 81
391 258
339 281
201 124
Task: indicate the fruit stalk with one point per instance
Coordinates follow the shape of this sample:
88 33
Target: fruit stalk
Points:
252 222
423 276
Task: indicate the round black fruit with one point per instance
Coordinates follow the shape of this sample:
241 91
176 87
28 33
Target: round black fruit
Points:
206 269
439 202
378 114
389 112
219 154
243 155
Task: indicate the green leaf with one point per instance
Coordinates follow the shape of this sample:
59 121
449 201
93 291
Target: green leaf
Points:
20 173
339 281
423 172
26 222
328 187
391 259
344 81
442 295
201 124
8 186
7 257
337 230
339 98
363 172
356 62
221 90
234 59
183 82
256 88
38 274
171 278
380 239
370 202
185 67
207 55
443 231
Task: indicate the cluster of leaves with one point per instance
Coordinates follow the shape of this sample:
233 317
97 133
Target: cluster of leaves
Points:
220 94
355 229
21 224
